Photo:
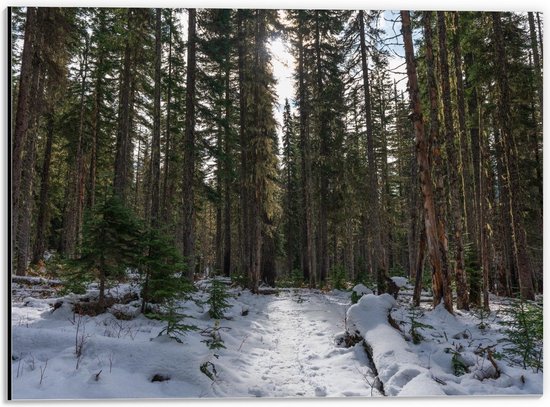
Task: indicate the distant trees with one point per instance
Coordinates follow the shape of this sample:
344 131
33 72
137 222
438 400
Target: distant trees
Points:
179 127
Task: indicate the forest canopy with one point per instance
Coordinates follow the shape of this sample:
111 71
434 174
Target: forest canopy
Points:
138 131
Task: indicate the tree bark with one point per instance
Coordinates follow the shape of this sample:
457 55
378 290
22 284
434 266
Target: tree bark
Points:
169 178
378 263
436 250
154 188
309 256
22 115
419 266
323 157
478 177
189 152
43 208
465 152
243 105
228 170
123 143
26 199
20 136
512 182
96 121
72 219
453 167
536 58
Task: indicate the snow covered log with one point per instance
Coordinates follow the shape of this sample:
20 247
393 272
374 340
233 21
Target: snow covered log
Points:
399 369
28 280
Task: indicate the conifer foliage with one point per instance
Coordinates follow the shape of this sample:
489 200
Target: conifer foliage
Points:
145 142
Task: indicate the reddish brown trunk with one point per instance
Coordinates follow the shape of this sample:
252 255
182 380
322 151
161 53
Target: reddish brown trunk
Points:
435 249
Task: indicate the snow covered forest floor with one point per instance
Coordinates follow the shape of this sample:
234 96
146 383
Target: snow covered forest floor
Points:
284 343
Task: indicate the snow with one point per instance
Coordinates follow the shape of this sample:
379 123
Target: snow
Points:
284 347
426 368
287 343
360 289
397 365
400 281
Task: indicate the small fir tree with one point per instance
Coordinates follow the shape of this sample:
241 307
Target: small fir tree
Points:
111 243
218 299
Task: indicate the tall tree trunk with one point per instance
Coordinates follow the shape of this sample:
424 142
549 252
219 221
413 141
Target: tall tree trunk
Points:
243 135
478 175
189 152
323 157
539 25
22 115
305 150
412 232
96 130
512 181
154 188
436 250
219 203
228 170
43 203
168 181
536 58
464 152
441 284
378 264
26 199
72 218
22 120
539 84
453 166
123 143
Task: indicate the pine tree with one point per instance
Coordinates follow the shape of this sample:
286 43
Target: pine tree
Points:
436 249
189 150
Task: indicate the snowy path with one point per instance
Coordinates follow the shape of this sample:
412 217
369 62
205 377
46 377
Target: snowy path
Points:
293 351
283 347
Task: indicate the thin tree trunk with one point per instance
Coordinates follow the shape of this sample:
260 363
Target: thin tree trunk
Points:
436 250
189 152
219 250
323 157
441 284
228 170
243 105
123 143
465 152
512 181
539 25
414 206
154 188
478 177
43 208
168 182
536 58
378 265
453 167
419 266
72 219
305 149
